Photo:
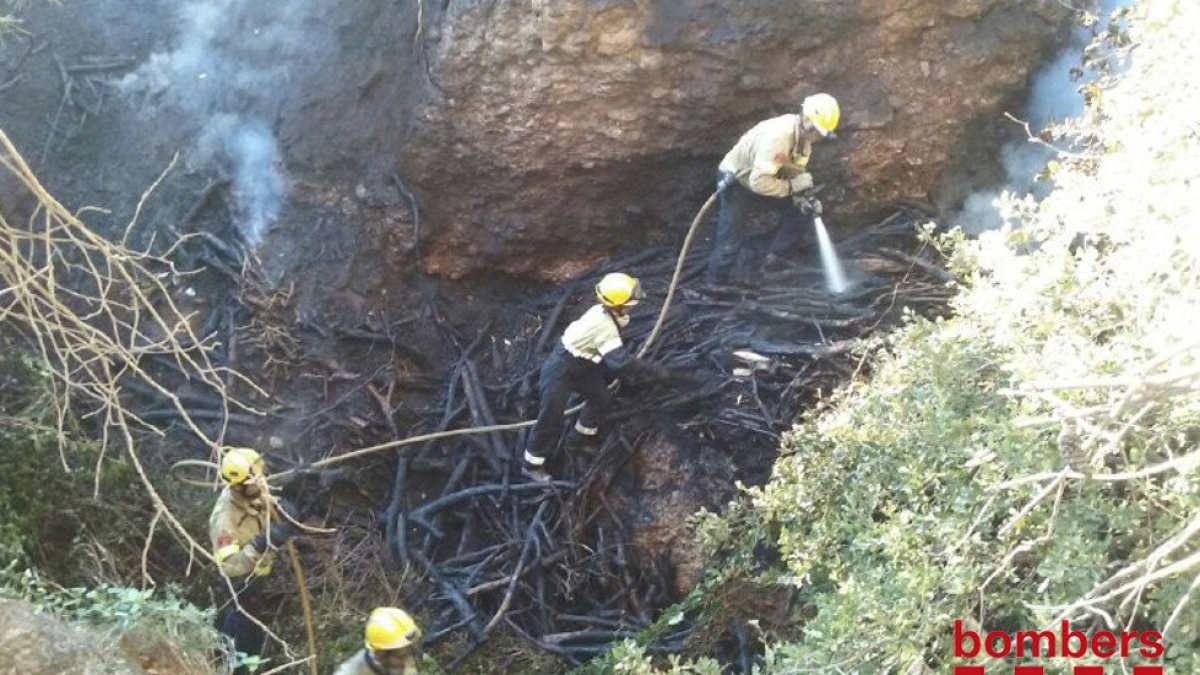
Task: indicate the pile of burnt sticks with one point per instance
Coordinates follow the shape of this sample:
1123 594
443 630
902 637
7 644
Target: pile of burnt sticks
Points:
553 564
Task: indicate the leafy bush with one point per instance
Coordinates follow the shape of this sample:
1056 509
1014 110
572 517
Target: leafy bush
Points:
27 442
50 487
111 606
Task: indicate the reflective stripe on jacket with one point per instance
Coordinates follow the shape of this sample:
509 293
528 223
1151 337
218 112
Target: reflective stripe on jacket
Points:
233 526
767 155
592 335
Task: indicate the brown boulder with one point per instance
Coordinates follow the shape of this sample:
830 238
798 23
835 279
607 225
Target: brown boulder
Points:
676 477
33 644
37 644
566 131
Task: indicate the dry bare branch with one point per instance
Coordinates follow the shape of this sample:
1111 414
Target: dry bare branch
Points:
93 311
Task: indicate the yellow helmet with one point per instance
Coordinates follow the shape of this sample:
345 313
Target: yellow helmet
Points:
617 289
391 628
823 112
240 464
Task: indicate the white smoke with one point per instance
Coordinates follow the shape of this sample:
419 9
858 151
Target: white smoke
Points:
259 184
1054 96
231 70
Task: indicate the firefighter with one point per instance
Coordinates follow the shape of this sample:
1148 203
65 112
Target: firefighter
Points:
589 346
243 540
392 638
770 160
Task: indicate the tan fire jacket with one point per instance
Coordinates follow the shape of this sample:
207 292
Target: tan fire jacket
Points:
233 526
358 665
593 335
767 155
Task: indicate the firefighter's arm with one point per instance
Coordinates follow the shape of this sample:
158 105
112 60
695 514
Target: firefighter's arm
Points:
622 362
234 558
764 172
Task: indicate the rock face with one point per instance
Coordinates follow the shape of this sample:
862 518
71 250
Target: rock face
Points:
567 130
539 135
676 477
31 644
36 644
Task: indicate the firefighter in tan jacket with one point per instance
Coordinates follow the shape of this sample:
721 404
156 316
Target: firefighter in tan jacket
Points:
392 638
243 537
770 160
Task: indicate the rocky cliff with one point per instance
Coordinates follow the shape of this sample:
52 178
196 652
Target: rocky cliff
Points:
539 135
566 130
37 644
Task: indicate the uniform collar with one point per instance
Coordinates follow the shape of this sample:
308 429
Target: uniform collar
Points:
799 143
369 658
616 319
377 667
257 504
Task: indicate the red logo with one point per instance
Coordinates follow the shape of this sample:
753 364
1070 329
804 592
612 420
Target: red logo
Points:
1063 643
1041 670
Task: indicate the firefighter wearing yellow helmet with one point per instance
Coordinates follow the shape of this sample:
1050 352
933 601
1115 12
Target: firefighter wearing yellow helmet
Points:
392 639
243 541
589 346
770 160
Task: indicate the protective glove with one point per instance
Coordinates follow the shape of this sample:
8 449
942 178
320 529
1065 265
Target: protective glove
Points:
801 183
809 206
280 533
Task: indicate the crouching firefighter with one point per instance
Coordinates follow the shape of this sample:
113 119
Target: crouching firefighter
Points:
589 346
392 638
243 541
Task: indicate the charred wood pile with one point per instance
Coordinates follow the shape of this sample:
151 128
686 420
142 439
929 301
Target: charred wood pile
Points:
554 563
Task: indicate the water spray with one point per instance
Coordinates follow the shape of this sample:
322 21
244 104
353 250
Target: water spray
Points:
835 278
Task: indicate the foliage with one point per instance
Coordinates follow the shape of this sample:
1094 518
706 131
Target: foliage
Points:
51 515
1034 457
628 658
34 488
52 475
112 606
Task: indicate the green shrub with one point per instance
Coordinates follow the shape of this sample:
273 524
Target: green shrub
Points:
33 476
111 606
